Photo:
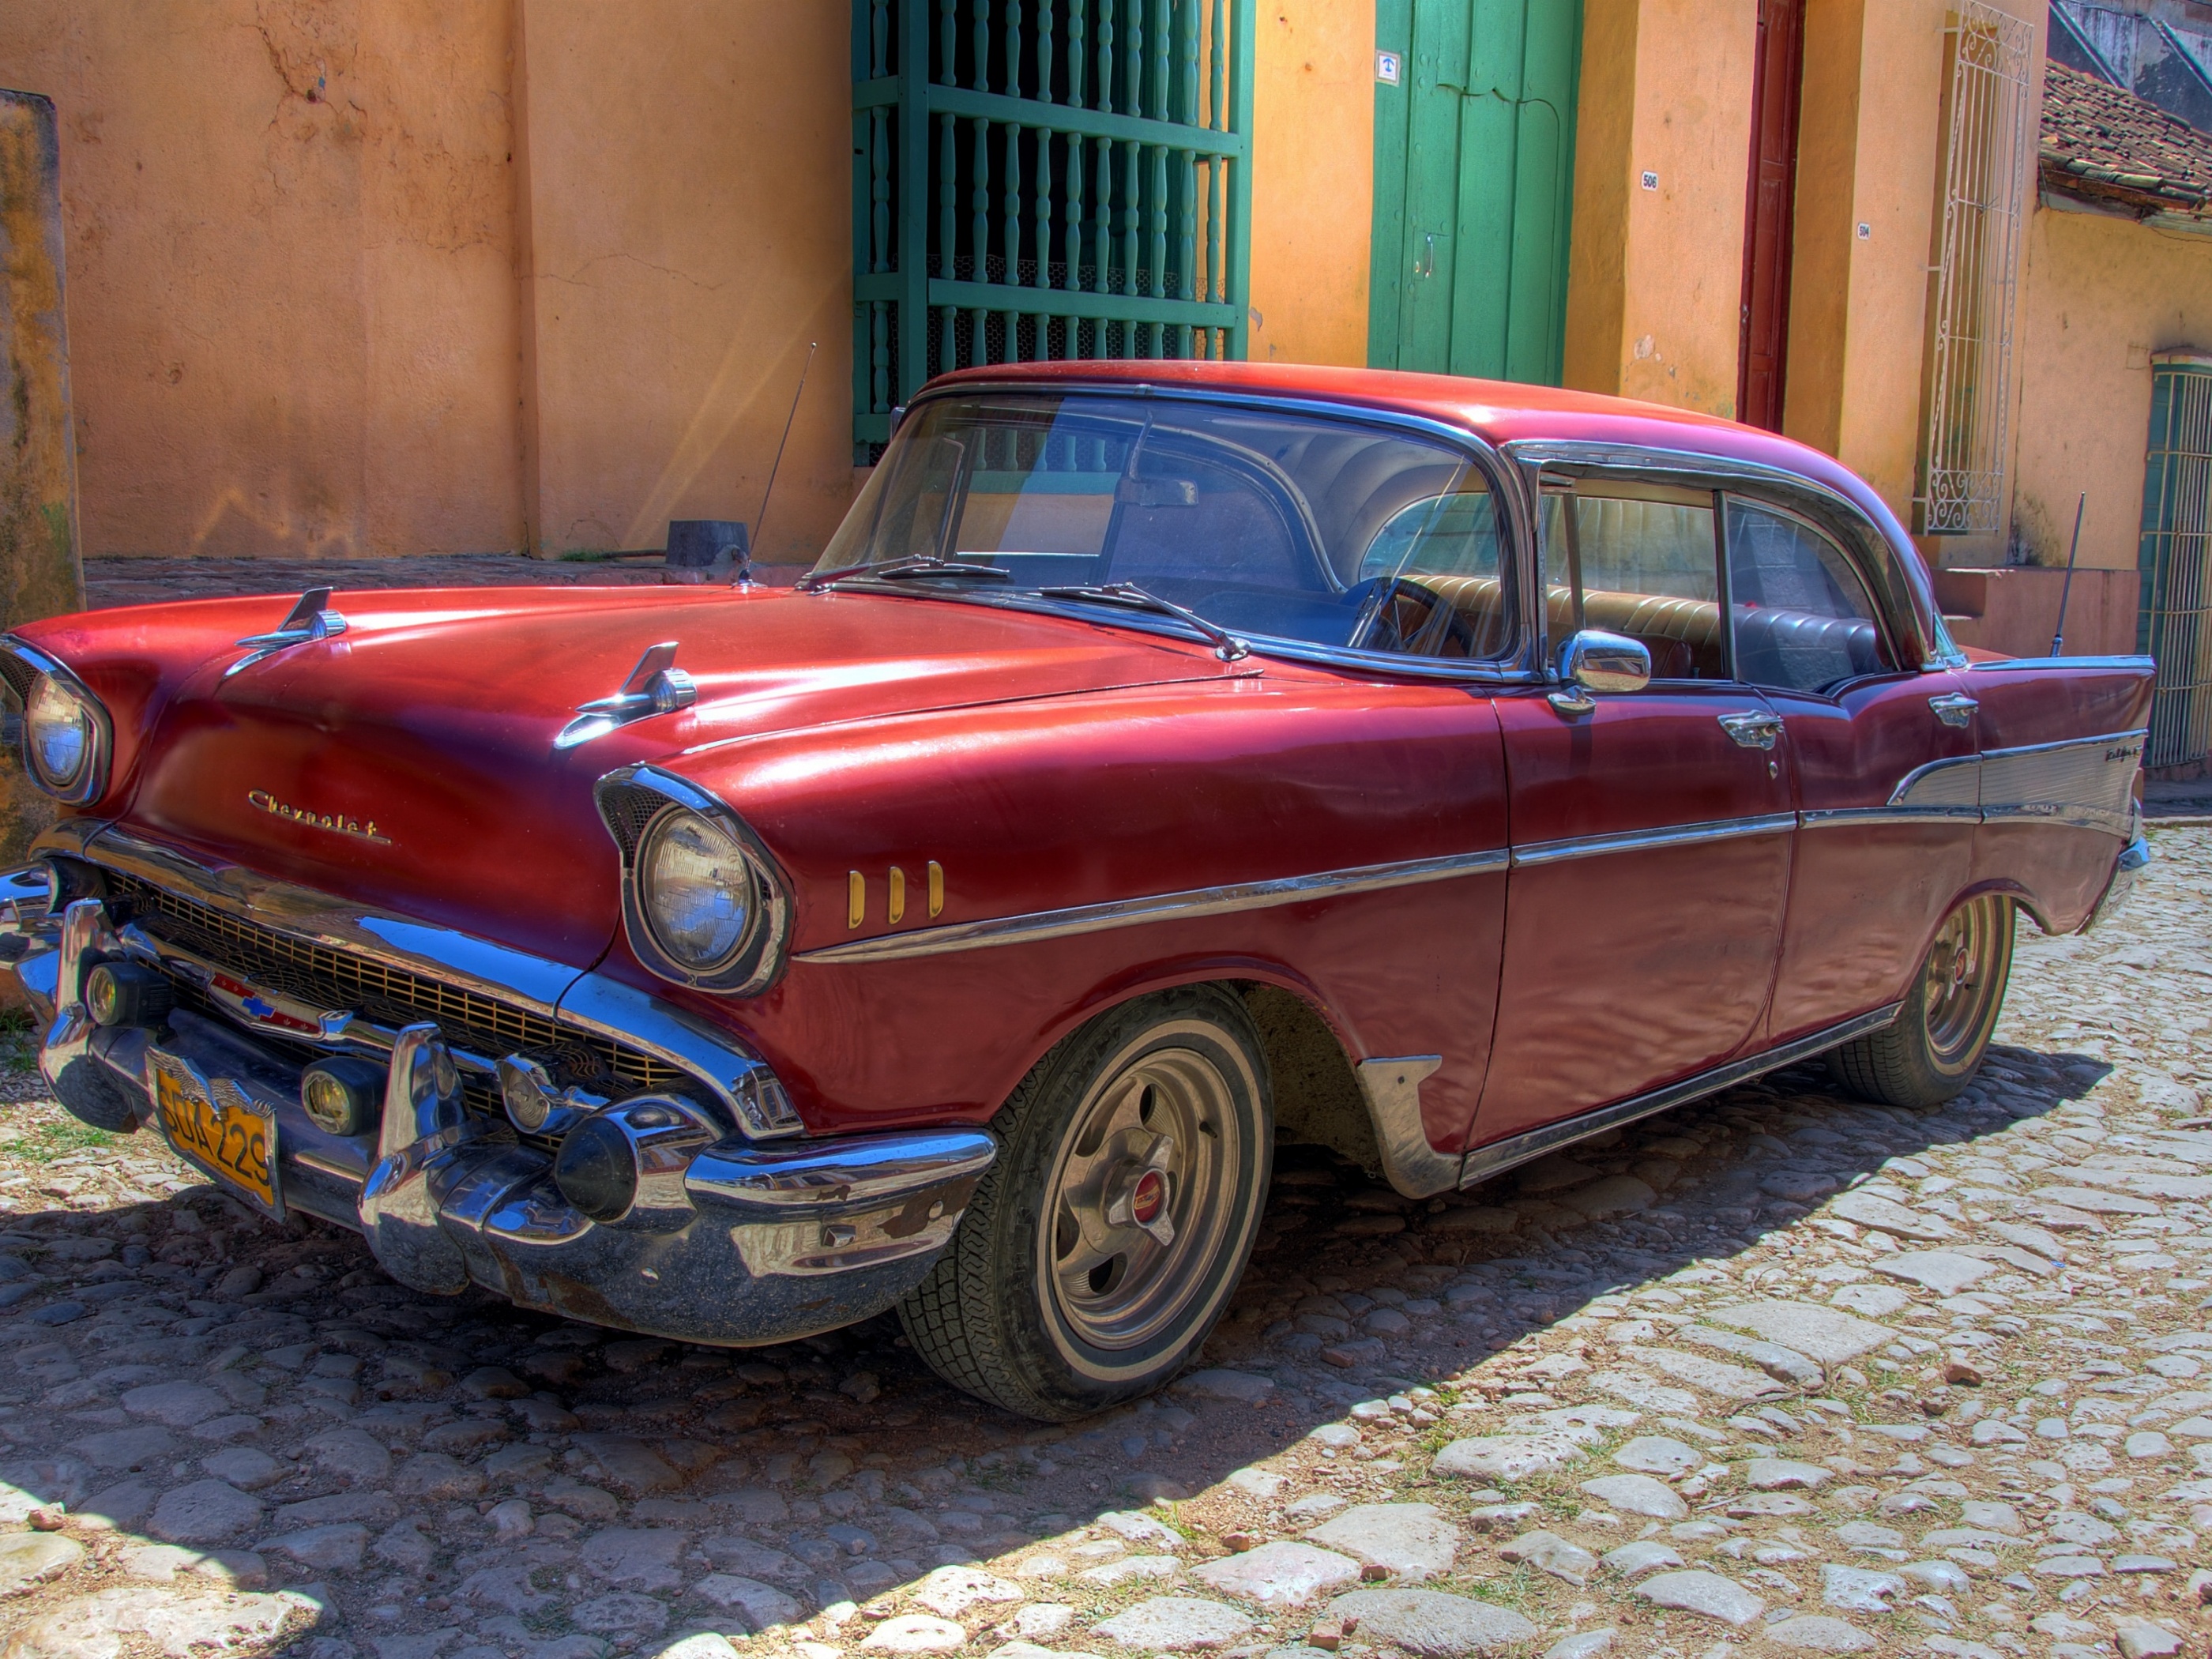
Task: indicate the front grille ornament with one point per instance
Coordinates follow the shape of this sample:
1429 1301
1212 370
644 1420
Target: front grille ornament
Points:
655 686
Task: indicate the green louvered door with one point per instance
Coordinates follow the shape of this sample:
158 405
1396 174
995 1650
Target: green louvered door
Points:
1474 181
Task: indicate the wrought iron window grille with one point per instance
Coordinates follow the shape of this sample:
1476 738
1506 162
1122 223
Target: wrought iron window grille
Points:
1044 179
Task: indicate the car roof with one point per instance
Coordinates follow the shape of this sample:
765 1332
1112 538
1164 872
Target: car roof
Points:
1498 411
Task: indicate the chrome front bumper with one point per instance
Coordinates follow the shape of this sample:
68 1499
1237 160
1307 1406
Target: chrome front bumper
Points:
735 1240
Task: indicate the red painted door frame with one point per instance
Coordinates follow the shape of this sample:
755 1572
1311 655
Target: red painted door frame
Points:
1776 86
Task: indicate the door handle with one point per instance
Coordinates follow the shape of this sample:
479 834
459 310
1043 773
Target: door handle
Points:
1954 708
1752 731
1427 264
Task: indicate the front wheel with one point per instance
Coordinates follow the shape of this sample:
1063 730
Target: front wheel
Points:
1104 1243
1935 1045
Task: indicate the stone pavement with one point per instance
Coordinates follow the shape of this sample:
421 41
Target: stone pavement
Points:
1776 1373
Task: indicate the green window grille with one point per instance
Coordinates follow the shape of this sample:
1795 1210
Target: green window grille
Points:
2173 618
1043 180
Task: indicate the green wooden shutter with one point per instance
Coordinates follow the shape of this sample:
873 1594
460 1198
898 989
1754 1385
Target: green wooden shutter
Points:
1044 178
2174 622
1473 184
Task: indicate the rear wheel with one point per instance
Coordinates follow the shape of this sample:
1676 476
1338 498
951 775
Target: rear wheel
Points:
1943 1030
1105 1242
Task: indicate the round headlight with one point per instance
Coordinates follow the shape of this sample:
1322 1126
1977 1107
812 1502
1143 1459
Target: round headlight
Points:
58 735
698 890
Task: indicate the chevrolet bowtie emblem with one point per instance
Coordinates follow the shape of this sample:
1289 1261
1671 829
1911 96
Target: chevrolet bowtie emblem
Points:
337 822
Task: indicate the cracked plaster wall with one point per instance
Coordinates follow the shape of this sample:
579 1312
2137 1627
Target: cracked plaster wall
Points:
367 277
290 240
687 196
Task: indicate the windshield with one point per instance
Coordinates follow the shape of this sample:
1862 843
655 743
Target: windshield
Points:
1264 522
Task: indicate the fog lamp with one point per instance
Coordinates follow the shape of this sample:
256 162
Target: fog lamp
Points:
126 993
342 1096
596 1169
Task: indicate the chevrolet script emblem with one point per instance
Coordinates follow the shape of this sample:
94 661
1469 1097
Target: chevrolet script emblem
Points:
262 801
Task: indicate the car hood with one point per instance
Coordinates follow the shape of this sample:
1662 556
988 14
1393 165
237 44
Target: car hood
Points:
410 763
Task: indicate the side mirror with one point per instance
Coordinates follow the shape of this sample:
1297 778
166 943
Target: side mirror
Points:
1595 660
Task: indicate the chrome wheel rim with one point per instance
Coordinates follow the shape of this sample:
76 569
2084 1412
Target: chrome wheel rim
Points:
1959 982
1141 1198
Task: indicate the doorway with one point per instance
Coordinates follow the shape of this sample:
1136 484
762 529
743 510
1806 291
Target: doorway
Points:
1473 185
1776 93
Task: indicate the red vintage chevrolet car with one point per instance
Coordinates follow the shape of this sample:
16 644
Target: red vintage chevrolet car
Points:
1164 758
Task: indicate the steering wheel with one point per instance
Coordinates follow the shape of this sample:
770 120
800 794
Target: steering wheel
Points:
1398 614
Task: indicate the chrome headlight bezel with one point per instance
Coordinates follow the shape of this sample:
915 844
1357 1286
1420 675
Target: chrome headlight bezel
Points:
27 672
640 804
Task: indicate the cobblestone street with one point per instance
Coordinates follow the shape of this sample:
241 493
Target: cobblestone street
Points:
1775 1372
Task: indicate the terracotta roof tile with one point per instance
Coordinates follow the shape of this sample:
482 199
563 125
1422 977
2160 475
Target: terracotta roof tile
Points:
2103 144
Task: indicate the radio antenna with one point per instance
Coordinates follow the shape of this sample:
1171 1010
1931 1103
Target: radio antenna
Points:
2066 589
760 519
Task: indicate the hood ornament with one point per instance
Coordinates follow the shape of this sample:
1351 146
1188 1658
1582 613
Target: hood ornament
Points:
655 686
308 622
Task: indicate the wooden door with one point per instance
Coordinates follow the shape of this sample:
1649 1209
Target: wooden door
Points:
1474 181
1777 80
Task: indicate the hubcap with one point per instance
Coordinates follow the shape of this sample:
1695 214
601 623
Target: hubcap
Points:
1961 981
1141 1198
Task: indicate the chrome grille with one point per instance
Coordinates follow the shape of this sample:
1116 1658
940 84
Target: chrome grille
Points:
331 978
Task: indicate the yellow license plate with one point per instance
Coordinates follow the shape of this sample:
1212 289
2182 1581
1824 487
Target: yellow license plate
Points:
229 1138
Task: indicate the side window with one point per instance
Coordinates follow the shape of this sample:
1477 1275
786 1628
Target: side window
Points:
1429 584
1803 618
1641 560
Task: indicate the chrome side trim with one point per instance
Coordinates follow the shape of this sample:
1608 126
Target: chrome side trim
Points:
1159 907
1833 818
2146 664
719 1061
1393 1088
1949 787
2086 783
1499 1155
1685 834
847 1170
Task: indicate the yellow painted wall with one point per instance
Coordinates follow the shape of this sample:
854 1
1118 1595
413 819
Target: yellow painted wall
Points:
1654 277
387 277
1313 179
1870 152
290 268
690 231
2102 294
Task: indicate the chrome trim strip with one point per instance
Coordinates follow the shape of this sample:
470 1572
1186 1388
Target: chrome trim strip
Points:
2136 735
1930 780
102 757
1159 907
2146 664
1499 1155
1393 1089
738 1081
848 1170
1832 817
1585 846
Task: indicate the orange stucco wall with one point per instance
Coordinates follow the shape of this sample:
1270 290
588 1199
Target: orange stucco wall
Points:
341 285
1313 179
687 196
1870 153
1655 276
290 260
2102 295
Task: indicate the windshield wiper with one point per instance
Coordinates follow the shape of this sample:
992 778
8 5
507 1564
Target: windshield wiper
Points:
1226 644
917 569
